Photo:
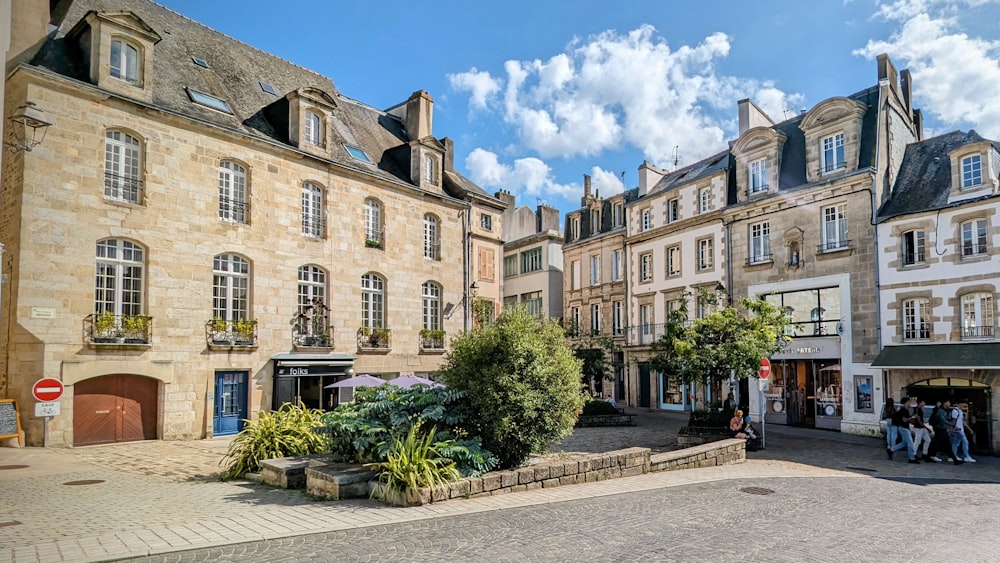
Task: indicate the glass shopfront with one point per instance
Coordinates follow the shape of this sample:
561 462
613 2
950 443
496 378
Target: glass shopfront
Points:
805 393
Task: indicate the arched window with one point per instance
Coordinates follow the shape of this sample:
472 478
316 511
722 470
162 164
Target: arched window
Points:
432 242
372 301
314 128
124 61
373 223
122 167
230 288
232 192
312 210
431 295
118 288
978 313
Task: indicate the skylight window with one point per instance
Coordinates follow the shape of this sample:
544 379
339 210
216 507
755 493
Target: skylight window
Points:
200 62
358 154
268 88
208 101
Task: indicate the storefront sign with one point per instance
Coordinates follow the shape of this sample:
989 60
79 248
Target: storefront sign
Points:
808 348
309 370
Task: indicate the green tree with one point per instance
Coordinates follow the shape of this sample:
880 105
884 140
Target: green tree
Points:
521 384
596 353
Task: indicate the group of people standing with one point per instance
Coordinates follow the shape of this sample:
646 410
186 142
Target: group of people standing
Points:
943 435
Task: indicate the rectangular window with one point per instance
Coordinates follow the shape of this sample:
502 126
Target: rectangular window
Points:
509 301
574 228
124 62
646 324
533 301
706 254
617 310
674 261
616 265
510 265
832 153
531 260
595 270
702 307
232 192
575 275
974 238
595 319
913 248
647 219
617 214
314 128
760 243
646 267
312 210
204 99
977 315
432 244
486 221
972 171
486 264
758 176
835 227
704 200
595 221
122 165
916 325
575 319
673 210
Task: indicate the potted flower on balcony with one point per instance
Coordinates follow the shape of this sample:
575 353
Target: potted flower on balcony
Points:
135 329
104 327
431 338
244 331
220 331
372 243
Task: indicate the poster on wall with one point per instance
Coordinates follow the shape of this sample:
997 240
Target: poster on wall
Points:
863 390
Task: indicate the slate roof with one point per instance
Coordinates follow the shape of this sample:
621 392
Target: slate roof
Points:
692 172
235 70
924 179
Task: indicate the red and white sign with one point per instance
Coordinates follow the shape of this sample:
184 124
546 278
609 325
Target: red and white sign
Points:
765 368
47 389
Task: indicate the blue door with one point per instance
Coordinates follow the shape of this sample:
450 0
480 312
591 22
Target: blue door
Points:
230 402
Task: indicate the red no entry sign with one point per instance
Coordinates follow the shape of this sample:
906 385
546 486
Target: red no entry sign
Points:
47 389
765 368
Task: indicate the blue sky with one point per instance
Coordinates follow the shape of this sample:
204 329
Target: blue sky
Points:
537 94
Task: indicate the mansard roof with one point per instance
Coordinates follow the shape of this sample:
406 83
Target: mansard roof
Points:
924 179
693 172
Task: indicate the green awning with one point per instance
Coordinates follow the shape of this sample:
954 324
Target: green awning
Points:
979 355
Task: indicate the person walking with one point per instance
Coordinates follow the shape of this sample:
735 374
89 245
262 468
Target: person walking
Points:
901 420
890 431
959 443
919 428
941 442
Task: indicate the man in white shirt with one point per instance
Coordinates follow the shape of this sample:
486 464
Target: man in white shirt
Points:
959 443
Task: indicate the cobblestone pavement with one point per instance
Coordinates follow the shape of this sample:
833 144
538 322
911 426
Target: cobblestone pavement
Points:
158 497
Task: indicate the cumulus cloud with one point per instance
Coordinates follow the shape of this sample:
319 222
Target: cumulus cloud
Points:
479 84
525 176
954 74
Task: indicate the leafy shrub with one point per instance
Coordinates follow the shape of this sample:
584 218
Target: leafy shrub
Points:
713 417
412 463
521 384
364 431
289 431
596 406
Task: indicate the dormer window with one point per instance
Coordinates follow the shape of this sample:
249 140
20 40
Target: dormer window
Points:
832 153
314 128
616 214
758 175
574 228
595 221
430 169
972 171
124 62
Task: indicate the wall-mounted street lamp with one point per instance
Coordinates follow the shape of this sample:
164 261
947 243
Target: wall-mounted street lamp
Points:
28 126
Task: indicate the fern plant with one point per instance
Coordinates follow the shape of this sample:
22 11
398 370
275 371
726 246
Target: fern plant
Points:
412 463
289 431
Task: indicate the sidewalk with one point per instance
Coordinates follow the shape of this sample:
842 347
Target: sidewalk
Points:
145 498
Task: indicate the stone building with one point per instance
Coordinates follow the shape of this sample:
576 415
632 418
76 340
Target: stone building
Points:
532 258
208 231
595 302
938 238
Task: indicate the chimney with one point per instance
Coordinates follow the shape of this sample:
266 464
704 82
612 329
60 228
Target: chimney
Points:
29 27
906 85
419 113
586 190
548 218
751 116
649 175
887 71
506 197
449 154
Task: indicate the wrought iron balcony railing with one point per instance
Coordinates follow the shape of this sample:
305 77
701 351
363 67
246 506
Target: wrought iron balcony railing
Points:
432 339
234 210
309 337
239 332
374 338
122 188
974 332
758 259
107 328
834 245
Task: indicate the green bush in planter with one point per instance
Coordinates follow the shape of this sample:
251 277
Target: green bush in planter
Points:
597 406
711 418
412 463
291 430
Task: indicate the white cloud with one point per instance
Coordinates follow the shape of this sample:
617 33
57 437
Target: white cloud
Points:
605 182
613 91
480 85
525 177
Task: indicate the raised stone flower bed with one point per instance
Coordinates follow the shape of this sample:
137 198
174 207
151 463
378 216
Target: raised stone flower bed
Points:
698 435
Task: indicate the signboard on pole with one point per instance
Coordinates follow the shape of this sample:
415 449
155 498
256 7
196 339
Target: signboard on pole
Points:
765 368
47 389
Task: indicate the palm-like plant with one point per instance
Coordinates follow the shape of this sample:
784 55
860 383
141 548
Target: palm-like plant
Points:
413 463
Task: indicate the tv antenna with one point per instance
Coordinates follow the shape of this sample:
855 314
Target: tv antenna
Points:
677 156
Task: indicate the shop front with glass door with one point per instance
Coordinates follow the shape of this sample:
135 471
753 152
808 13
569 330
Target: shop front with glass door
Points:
301 379
805 393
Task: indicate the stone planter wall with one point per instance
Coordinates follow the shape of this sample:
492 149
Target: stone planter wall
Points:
721 452
606 420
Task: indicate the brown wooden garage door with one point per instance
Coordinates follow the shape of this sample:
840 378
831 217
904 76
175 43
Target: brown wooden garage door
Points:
114 408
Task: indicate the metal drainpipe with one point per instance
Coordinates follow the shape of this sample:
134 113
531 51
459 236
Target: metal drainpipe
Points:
874 203
466 267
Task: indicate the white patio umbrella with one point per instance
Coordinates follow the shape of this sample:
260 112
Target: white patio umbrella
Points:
362 380
411 380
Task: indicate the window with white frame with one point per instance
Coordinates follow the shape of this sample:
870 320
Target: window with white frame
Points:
974 238
575 319
972 171
616 265
646 323
617 314
486 221
314 128
647 219
574 228
646 267
704 200
832 153
533 302
122 167
977 316
760 243
531 260
673 210
835 227
916 319
595 221
118 287
706 254
232 192
617 212
913 248
575 275
432 240
313 307
124 64
373 223
430 169
702 307
312 210
230 288
372 301
674 261
758 176
595 270
431 296
510 265
595 319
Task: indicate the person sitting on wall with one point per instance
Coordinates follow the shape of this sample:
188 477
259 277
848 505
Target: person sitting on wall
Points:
736 425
